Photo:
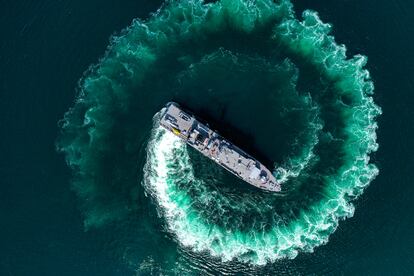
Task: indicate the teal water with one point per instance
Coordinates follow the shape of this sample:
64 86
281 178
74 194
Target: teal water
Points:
280 84
156 206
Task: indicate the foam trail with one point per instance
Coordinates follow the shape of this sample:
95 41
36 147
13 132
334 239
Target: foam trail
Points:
232 53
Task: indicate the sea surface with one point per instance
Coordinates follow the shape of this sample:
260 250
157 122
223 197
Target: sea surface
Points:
319 91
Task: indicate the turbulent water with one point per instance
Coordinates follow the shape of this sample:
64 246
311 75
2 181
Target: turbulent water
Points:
277 85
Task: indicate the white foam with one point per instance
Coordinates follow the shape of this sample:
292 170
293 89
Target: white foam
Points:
193 232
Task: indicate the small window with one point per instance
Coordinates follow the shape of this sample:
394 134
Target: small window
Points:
184 116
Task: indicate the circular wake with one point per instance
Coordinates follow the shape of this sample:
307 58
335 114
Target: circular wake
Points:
279 87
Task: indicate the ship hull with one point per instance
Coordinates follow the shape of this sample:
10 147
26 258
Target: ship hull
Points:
212 145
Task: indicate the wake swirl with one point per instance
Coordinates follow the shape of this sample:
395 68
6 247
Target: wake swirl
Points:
310 115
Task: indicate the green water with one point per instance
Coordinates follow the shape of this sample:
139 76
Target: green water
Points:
277 85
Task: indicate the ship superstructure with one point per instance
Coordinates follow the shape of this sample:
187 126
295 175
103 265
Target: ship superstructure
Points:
212 145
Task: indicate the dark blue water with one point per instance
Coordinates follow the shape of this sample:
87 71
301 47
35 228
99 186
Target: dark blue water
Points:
45 49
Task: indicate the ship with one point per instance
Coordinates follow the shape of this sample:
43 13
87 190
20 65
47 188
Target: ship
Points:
208 142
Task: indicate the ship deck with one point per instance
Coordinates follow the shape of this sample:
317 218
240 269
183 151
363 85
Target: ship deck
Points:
218 149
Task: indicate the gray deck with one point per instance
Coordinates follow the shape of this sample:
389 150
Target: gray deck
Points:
215 147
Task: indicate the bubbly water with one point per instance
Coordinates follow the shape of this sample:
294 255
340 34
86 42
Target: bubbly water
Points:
278 86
